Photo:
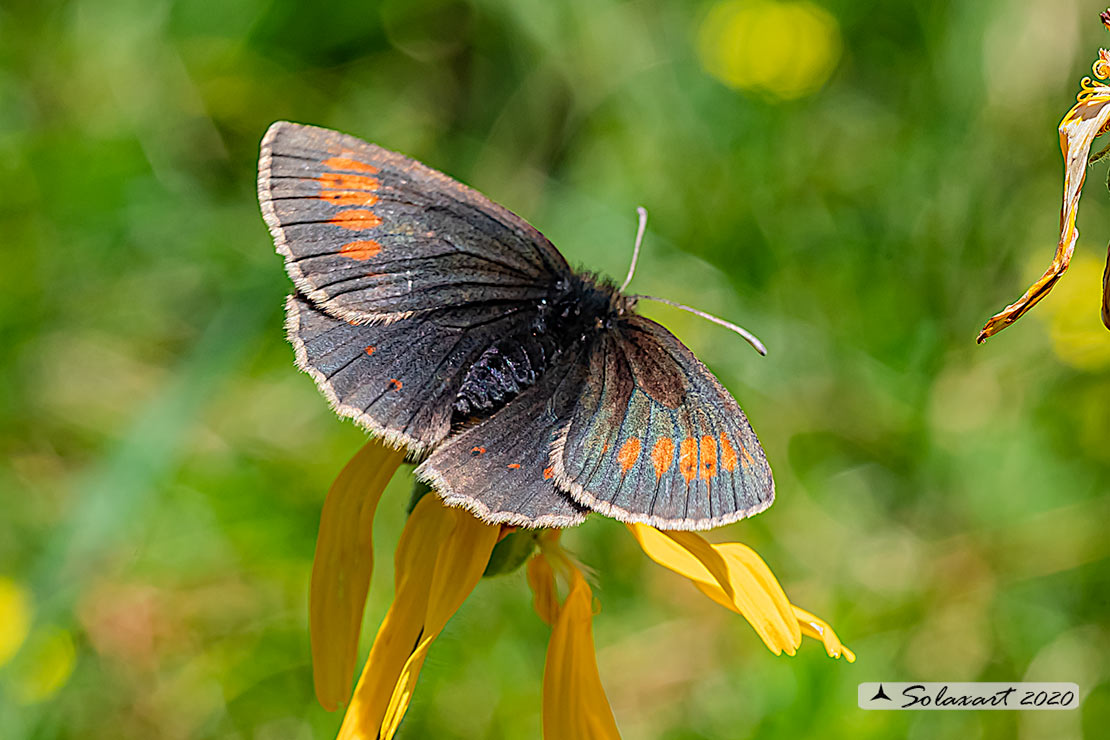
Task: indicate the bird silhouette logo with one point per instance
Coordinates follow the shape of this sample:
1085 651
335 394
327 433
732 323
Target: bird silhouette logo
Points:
880 694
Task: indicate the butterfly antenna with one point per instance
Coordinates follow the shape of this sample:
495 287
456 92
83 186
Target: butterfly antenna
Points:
748 336
636 249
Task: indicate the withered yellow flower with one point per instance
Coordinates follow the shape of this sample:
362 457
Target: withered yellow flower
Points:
1088 119
442 555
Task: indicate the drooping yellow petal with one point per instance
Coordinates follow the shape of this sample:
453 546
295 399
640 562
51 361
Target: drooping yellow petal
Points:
753 591
414 564
463 555
1085 121
819 629
757 593
342 567
574 702
728 575
542 580
462 559
439 559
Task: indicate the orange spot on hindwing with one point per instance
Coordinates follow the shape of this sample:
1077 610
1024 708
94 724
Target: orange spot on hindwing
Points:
662 455
548 473
513 466
728 454
346 163
356 219
688 458
628 454
371 349
475 451
361 250
395 384
708 457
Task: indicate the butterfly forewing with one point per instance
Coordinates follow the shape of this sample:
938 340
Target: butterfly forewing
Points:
656 439
371 235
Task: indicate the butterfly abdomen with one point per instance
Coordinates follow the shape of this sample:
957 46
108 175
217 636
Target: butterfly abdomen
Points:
503 371
577 309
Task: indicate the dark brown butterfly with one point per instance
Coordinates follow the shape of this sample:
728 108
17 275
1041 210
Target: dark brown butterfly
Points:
530 394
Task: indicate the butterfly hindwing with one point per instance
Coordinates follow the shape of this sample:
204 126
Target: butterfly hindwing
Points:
499 468
654 437
370 235
398 379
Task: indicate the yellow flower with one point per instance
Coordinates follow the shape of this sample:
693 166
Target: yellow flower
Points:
784 50
441 556
1088 119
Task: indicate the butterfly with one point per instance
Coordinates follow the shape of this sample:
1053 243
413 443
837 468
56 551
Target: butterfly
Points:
529 393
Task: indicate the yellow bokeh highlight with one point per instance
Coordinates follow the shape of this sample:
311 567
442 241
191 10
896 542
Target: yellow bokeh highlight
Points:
785 50
1072 311
48 666
15 618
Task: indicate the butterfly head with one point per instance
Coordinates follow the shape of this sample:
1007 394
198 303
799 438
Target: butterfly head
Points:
592 301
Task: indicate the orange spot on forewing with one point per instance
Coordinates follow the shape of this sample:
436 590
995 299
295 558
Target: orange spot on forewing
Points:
688 458
708 457
728 454
513 466
348 197
361 250
346 163
337 181
662 455
628 454
356 219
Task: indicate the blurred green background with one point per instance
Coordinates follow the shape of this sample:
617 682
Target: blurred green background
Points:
860 183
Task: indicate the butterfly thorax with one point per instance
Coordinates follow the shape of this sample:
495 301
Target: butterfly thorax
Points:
577 310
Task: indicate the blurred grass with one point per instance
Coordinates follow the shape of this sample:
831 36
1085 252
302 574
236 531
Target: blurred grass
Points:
162 464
